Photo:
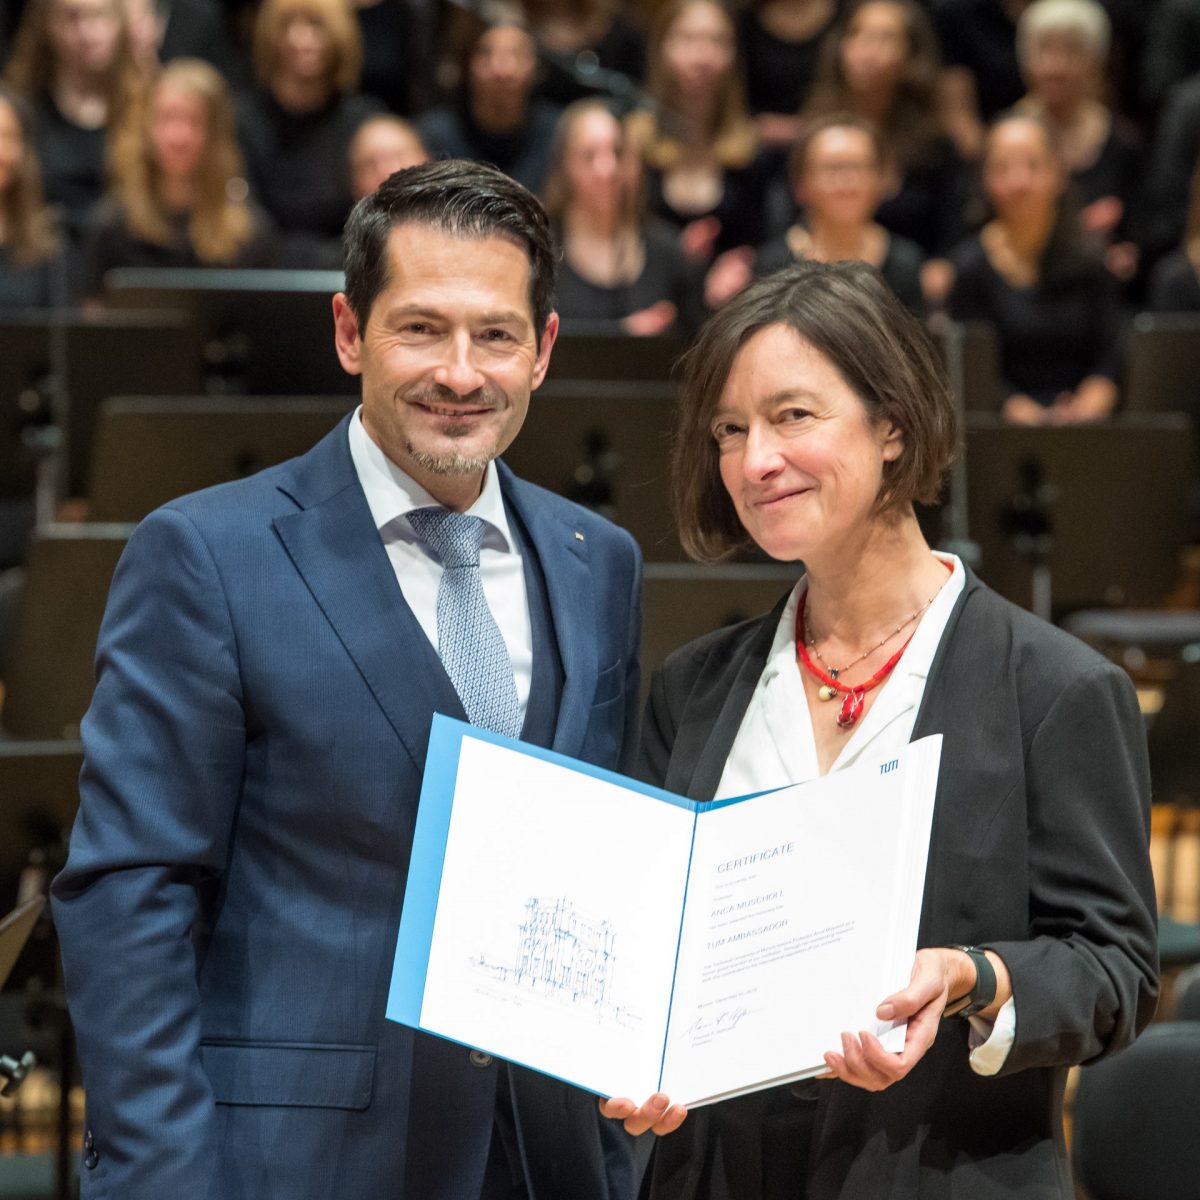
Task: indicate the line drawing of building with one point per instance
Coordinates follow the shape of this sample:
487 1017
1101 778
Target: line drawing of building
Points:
565 955
564 950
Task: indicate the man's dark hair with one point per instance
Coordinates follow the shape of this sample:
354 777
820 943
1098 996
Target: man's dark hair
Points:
457 197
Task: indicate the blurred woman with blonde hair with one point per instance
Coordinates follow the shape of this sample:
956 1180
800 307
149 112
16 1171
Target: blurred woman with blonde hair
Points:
74 62
178 196
296 126
617 265
705 171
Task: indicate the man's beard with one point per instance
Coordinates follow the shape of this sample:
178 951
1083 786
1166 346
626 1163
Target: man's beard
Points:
453 463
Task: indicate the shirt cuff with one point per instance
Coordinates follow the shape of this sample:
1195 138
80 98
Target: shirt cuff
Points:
990 1041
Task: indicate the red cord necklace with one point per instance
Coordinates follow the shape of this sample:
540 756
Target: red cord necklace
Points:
852 702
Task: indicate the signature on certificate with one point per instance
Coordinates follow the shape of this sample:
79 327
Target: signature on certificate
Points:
707 1027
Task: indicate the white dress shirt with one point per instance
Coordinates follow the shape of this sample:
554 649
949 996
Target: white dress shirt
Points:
392 495
775 745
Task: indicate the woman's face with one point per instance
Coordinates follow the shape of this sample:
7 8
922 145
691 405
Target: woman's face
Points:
305 47
1060 68
799 458
84 34
178 130
594 160
12 145
842 180
1021 176
699 49
875 48
503 67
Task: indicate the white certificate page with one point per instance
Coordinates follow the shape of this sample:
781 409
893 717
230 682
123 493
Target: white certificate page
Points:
557 920
802 914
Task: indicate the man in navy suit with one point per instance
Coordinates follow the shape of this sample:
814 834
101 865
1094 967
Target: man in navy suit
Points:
268 668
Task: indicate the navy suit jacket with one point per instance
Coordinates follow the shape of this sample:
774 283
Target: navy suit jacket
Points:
229 907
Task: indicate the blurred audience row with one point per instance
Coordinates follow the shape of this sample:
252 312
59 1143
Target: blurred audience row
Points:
999 160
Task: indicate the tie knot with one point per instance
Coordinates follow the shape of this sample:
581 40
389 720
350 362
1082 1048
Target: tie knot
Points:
453 536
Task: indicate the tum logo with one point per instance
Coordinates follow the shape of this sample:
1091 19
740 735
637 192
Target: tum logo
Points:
889 766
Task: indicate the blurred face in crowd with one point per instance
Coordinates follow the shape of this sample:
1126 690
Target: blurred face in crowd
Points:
305 47
1060 68
502 67
842 179
12 145
380 148
178 130
699 49
596 164
84 34
448 357
875 48
1021 176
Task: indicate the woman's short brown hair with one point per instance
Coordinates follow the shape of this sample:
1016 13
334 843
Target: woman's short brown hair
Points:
847 312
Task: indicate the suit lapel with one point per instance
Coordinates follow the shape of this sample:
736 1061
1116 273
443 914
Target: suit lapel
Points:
567 569
334 545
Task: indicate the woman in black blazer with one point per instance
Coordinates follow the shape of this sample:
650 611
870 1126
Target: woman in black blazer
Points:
813 414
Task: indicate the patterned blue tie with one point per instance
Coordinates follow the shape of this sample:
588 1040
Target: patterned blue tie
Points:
470 643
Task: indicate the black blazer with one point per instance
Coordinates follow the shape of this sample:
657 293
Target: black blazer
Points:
1039 851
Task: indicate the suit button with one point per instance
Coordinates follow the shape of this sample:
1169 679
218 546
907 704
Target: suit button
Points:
479 1059
90 1159
88 1141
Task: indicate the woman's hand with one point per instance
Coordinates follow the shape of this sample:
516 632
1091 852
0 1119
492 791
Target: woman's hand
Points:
1020 409
651 321
937 975
698 237
731 272
657 1115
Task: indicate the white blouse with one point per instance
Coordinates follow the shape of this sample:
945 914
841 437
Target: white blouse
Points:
775 745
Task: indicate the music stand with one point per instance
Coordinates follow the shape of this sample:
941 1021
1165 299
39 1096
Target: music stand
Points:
1113 496
592 360
50 671
14 933
59 365
609 453
261 333
1162 371
148 451
682 601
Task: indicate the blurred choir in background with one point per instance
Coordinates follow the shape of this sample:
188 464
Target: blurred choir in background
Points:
1029 164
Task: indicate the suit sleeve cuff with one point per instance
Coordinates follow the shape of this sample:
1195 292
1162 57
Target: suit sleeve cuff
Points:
991 1040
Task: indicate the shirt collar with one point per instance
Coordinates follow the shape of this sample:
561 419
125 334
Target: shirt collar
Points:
392 493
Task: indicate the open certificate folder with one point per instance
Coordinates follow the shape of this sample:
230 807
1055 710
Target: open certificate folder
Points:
629 941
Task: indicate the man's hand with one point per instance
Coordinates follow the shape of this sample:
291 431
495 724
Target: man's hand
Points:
657 1115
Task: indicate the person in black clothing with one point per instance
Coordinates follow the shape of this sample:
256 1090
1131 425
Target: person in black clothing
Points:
1175 281
616 265
73 59
1030 274
981 77
881 62
383 145
780 42
178 196
577 36
1172 52
839 176
1063 46
705 171
295 129
495 117
1163 207
28 245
